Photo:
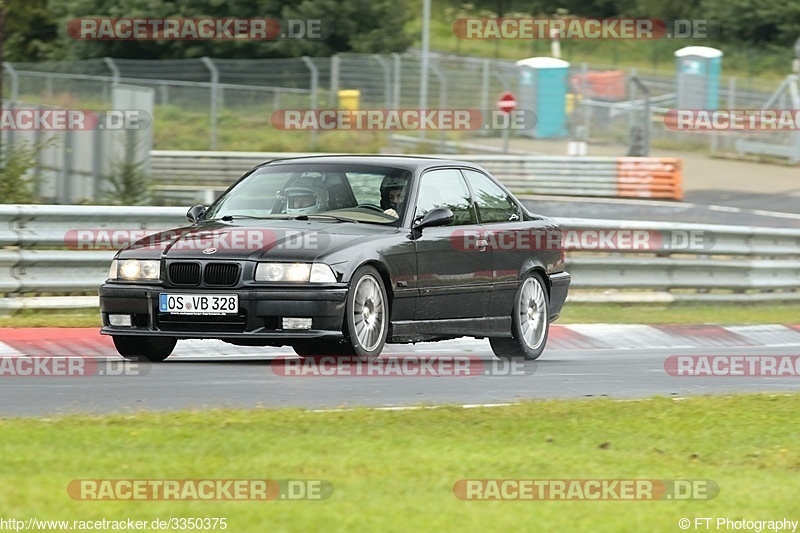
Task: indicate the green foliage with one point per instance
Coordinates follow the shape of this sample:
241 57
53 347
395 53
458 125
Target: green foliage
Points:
129 180
756 21
369 26
30 31
17 185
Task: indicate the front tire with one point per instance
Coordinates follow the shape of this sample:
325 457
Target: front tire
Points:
530 322
366 323
154 349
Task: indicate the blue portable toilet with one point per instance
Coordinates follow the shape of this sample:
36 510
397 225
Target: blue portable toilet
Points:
698 72
543 83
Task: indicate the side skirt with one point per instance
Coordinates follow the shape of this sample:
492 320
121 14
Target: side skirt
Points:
411 331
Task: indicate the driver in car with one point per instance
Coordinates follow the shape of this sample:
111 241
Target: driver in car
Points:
393 193
305 196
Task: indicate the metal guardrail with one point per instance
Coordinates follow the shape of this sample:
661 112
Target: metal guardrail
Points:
737 263
184 176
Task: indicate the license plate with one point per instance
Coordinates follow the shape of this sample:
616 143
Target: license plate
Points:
198 304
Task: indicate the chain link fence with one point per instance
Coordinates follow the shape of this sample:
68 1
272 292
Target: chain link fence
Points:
219 92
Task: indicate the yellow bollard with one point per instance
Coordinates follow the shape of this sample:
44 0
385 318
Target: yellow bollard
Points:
349 99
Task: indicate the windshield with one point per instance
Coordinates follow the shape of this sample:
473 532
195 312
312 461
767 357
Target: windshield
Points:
363 193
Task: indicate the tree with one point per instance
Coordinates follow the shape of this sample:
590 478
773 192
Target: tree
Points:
30 31
756 21
370 26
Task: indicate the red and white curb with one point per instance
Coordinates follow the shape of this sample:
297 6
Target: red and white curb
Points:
89 342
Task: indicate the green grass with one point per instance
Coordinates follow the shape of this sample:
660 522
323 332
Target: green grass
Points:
680 314
62 318
571 314
395 471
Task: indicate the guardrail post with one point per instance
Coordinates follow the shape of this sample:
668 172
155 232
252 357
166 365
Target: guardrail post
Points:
214 104
313 101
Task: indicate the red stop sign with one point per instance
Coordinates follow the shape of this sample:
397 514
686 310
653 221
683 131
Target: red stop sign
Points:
507 102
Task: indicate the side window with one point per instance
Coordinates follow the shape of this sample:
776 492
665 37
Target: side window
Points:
494 205
445 188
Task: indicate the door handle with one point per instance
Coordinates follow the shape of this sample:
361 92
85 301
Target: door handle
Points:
482 244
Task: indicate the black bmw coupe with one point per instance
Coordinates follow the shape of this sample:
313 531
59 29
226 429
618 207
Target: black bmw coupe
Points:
339 255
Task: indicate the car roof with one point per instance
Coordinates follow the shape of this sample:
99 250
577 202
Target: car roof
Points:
407 162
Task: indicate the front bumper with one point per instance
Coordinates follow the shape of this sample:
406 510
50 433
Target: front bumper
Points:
261 311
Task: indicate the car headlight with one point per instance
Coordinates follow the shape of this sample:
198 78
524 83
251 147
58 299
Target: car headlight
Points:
135 270
295 272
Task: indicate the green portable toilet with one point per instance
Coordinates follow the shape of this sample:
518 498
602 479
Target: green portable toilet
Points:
543 83
698 72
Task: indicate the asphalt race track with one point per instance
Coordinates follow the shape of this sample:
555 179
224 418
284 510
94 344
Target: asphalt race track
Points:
616 361
769 211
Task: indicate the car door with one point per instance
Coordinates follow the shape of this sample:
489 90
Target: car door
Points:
510 240
454 281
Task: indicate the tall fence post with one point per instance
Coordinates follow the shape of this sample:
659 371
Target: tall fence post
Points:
425 60
12 74
485 73
396 65
214 103
313 97
387 80
333 101
115 75
643 149
587 110
65 180
442 102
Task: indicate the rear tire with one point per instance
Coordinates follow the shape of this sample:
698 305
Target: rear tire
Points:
154 349
530 322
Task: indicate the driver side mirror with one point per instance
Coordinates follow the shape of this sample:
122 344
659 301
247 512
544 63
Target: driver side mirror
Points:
195 212
439 216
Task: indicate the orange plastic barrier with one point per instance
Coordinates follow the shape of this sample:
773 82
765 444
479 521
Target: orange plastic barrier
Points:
650 177
601 85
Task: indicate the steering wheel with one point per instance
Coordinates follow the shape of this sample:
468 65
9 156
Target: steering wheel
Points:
371 206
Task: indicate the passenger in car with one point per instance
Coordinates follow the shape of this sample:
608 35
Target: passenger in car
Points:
393 194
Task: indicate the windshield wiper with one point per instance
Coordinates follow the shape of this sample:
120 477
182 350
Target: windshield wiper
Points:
335 217
230 218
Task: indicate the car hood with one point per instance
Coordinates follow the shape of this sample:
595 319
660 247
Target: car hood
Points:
294 240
